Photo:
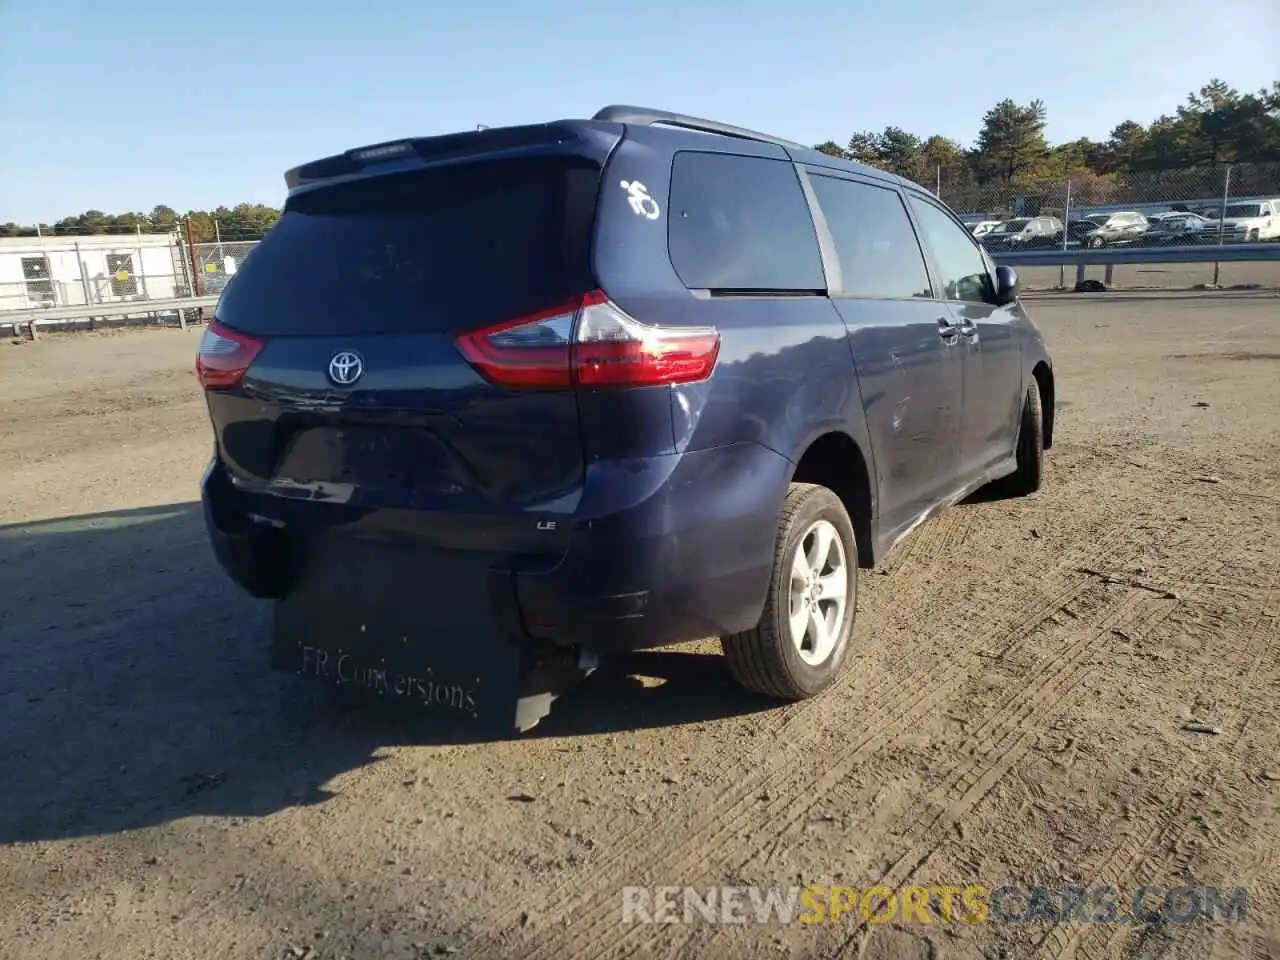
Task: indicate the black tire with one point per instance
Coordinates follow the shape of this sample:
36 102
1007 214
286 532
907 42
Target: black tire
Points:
1030 446
764 659
1096 243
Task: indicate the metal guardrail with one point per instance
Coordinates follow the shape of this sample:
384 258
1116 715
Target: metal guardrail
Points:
1078 257
30 319
1198 253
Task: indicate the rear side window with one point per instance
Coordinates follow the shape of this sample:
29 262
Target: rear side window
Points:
426 251
879 253
741 224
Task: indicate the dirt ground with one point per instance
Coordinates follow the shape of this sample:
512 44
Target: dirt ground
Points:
1158 276
1015 712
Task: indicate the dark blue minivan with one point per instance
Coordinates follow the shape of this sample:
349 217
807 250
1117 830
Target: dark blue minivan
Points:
497 401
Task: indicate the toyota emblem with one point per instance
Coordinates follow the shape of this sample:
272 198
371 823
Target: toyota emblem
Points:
346 368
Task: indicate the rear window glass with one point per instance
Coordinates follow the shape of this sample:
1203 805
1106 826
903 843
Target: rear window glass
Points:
426 251
741 224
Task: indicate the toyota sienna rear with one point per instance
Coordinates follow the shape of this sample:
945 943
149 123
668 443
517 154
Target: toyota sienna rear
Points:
489 405
436 434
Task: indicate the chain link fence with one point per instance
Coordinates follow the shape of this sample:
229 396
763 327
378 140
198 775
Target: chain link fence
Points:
1232 196
215 263
1166 209
46 272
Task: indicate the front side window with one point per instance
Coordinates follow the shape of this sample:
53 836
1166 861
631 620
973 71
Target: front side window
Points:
960 264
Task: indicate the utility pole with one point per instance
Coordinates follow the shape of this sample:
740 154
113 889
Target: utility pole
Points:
1222 217
191 252
1066 232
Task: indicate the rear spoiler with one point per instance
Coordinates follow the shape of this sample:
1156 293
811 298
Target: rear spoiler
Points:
450 146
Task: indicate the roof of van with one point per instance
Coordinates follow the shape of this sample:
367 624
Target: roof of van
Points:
493 140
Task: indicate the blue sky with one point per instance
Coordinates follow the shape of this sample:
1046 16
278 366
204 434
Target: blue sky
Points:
120 106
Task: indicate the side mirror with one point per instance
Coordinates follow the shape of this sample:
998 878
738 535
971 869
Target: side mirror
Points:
1006 285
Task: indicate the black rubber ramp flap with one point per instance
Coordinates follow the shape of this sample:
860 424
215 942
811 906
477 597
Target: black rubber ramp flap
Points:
407 624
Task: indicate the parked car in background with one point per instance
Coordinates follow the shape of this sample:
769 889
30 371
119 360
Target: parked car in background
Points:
1252 222
1115 229
1023 233
1176 229
1079 231
982 227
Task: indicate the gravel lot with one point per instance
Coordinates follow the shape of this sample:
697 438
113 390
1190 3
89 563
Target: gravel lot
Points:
1159 276
1015 711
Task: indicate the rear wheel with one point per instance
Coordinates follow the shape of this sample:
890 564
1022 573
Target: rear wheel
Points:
800 644
1030 450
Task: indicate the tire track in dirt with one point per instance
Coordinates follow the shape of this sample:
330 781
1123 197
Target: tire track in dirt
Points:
1159 825
933 540
1014 710
966 788
1142 858
900 705
1012 727
1007 736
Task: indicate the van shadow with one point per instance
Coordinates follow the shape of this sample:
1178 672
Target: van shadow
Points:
134 687
987 493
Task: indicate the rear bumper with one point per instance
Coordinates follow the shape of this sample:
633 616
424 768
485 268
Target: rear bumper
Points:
253 555
676 549
661 550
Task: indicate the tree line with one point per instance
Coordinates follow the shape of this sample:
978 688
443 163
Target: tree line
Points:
1174 156
244 221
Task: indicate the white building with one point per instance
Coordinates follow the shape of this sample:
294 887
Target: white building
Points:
72 271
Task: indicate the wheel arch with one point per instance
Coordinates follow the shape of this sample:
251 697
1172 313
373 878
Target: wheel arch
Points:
835 460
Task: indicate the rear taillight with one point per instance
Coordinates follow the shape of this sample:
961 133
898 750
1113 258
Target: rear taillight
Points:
224 355
589 342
